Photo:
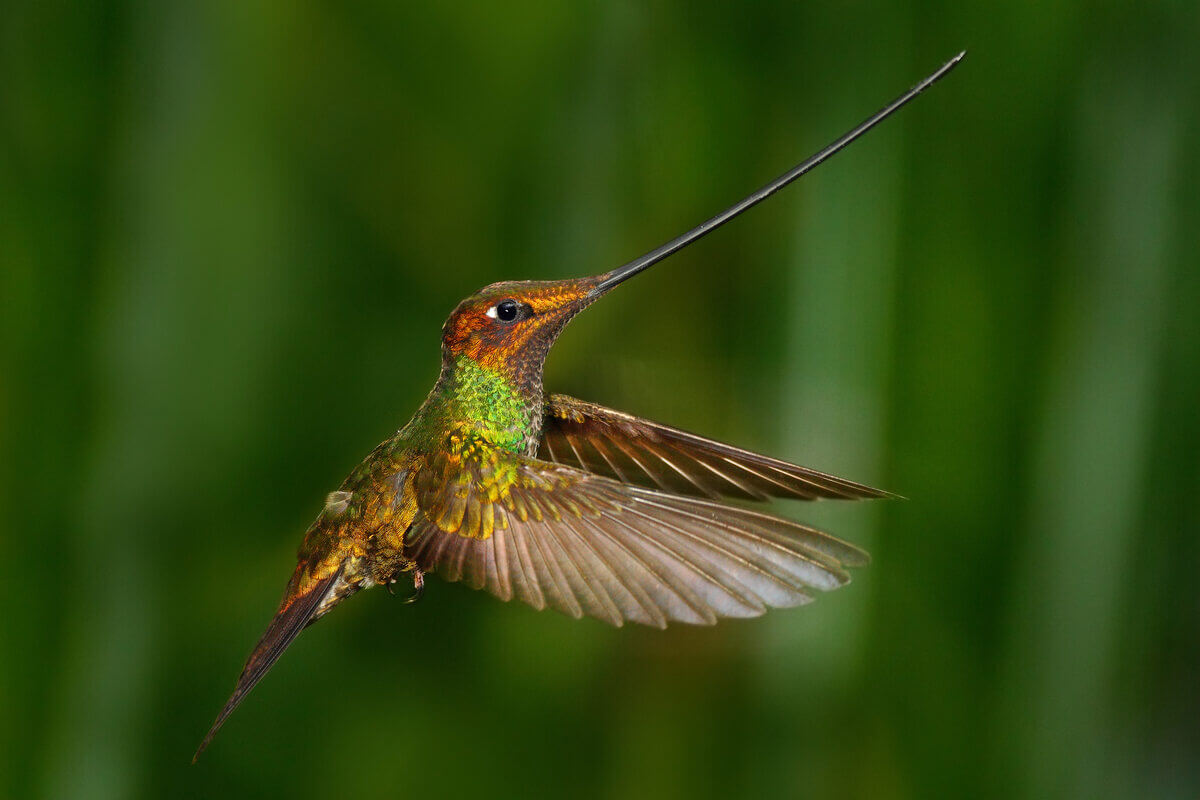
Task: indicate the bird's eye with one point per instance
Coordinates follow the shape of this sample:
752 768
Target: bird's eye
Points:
505 311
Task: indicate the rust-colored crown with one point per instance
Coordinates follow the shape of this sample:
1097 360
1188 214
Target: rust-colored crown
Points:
478 329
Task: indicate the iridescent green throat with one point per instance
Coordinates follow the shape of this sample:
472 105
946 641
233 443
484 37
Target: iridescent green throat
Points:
469 394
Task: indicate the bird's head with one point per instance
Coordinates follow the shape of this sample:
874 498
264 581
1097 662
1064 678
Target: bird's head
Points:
508 328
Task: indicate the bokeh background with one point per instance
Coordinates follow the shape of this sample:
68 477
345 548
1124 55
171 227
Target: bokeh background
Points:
230 232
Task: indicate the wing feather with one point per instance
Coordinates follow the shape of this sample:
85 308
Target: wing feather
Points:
587 545
634 450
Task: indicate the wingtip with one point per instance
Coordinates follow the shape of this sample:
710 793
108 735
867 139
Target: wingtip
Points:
857 559
864 492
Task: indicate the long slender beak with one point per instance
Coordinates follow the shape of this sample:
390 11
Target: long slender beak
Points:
284 628
626 271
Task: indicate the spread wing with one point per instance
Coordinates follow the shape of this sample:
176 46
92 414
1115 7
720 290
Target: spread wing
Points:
554 536
633 450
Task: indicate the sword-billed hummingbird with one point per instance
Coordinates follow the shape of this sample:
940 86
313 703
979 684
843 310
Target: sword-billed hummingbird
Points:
558 502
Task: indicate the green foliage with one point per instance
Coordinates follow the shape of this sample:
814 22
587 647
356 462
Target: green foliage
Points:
230 233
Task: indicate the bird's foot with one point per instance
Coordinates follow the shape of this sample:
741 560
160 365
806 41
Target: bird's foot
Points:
418 586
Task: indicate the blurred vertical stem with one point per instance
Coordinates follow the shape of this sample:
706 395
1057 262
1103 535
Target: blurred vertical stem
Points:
196 244
833 403
1091 468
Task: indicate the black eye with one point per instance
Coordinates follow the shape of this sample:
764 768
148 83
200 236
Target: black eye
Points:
507 310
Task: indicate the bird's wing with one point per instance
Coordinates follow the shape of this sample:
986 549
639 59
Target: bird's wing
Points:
633 450
556 536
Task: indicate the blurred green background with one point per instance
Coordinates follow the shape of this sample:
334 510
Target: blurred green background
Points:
230 232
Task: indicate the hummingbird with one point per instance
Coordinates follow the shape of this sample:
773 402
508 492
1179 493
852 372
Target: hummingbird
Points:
559 502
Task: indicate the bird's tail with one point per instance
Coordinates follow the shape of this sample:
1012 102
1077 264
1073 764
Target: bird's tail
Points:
295 613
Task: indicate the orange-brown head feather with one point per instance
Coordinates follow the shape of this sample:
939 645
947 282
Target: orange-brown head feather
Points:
479 328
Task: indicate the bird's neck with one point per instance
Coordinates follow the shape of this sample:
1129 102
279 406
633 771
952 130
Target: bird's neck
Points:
505 407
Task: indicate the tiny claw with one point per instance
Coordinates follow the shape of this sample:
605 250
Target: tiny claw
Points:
418 586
